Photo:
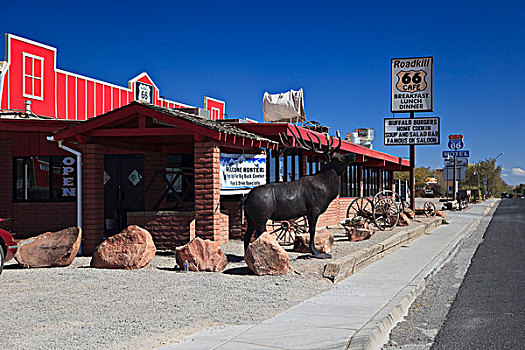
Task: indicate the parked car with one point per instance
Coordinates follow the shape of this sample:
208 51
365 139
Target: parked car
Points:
8 247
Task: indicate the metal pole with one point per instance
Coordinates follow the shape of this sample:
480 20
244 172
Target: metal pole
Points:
412 173
454 189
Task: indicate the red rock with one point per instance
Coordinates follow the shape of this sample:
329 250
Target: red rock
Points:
408 212
403 220
131 249
440 213
324 240
50 249
359 234
266 257
202 255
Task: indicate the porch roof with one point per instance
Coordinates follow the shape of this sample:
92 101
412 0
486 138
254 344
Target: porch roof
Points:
144 124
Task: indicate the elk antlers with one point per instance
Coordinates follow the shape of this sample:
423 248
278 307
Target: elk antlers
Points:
311 146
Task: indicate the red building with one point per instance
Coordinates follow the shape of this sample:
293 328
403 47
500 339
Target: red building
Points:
138 158
30 73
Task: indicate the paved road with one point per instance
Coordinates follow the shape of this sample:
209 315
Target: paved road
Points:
428 312
489 310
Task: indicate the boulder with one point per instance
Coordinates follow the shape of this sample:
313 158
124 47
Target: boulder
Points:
440 213
408 212
266 257
131 249
403 220
323 242
50 249
359 234
202 255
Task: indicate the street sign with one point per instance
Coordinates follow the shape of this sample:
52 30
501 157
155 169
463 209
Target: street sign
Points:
411 131
464 153
455 137
455 144
448 173
411 82
459 162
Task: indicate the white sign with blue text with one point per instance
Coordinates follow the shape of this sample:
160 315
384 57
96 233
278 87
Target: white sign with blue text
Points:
241 172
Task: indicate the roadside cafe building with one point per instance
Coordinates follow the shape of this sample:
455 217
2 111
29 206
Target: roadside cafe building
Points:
77 151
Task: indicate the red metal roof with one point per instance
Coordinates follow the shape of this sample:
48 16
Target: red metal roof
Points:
375 158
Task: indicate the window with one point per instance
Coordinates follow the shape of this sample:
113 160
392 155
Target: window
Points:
33 83
370 181
44 179
180 179
350 182
283 168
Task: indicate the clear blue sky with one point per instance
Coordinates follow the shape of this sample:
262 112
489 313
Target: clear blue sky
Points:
338 51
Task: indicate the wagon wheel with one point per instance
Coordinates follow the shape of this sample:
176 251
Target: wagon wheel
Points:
429 209
285 231
360 208
394 196
386 213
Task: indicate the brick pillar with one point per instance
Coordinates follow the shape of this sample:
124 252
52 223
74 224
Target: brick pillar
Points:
92 196
6 173
153 162
209 222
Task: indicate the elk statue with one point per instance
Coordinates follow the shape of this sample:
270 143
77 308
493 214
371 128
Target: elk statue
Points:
310 195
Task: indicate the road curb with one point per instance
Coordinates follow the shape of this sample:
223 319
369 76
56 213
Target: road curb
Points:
338 270
375 333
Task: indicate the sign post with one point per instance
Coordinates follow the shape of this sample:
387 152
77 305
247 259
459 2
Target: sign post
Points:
411 84
455 143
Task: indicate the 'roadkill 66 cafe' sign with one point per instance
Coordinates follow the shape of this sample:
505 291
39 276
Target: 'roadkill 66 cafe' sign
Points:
412 84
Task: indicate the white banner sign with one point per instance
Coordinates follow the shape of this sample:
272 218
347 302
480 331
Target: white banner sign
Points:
411 131
411 84
241 172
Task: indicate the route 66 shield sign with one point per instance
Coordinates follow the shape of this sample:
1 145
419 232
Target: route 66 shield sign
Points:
411 81
456 144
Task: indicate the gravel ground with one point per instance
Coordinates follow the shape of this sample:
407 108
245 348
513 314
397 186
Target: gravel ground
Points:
82 308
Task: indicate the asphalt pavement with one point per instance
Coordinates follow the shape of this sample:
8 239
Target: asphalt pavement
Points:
357 313
489 310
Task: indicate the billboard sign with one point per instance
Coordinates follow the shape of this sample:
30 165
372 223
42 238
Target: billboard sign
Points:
411 82
241 172
411 131
432 180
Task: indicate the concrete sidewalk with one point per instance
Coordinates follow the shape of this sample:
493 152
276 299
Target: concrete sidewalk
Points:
358 312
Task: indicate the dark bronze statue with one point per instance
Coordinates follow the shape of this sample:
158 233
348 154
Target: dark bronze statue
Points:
310 195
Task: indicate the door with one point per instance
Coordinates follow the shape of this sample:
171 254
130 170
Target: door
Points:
123 189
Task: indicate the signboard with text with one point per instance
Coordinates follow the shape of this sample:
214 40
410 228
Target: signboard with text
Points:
411 82
459 162
241 172
413 131
464 153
